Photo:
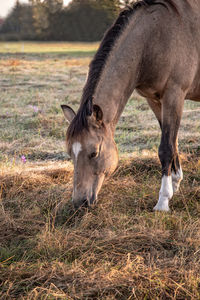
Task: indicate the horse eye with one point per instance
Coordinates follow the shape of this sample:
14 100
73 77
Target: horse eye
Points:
93 155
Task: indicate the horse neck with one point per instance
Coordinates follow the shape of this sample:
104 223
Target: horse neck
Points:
119 76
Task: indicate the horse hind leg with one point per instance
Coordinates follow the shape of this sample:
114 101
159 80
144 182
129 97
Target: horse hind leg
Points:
171 112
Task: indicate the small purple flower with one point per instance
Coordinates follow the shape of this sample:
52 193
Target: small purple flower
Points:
23 158
35 108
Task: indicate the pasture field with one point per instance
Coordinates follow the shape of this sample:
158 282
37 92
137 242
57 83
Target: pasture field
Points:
119 249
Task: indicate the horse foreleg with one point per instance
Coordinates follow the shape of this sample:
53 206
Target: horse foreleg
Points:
156 108
171 112
177 174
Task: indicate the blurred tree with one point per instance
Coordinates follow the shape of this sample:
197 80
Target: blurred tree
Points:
124 3
1 21
42 14
89 19
12 23
112 6
19 23
81 20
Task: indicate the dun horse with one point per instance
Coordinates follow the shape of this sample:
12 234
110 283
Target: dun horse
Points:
153 47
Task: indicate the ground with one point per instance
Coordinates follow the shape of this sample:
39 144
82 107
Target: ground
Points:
119 249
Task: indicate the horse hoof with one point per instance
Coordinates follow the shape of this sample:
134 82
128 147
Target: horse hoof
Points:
161 207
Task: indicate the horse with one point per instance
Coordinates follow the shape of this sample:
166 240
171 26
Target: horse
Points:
153 47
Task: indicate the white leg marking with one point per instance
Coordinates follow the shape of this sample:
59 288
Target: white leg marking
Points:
176 179
166 193
76 147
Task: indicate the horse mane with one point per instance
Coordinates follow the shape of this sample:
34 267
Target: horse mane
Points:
80 121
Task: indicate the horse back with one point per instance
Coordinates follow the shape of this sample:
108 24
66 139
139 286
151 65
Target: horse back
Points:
171 50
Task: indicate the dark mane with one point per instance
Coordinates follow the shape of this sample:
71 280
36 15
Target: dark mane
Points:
80 121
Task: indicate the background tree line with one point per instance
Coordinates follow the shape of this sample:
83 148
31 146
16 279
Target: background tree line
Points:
81 20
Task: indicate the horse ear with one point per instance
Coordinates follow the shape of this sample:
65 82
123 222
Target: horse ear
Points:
97 113
68 113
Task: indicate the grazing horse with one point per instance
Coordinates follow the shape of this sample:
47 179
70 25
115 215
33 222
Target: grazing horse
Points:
153 47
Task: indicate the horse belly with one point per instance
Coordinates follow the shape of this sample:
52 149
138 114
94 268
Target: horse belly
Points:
149 93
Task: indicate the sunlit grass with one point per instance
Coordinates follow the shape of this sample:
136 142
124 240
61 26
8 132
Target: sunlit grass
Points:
73 49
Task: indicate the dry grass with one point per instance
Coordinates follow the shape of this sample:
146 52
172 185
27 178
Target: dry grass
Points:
119 249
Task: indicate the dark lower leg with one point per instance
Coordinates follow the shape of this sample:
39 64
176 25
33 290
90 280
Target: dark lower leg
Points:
166 155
